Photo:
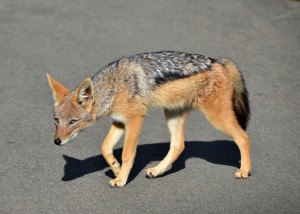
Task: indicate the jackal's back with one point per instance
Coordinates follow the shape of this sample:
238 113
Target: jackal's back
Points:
161 67
157 68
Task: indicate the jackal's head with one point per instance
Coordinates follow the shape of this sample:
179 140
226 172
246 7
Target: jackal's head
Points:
73 110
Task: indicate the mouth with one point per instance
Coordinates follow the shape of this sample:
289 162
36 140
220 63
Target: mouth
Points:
60 143
63 142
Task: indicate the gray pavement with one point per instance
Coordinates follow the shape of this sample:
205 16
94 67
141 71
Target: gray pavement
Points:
73 39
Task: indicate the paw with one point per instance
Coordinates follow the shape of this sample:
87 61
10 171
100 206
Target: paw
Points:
117 182
151 173
242 173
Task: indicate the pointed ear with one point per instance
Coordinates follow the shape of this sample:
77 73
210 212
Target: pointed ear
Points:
85 91
57 88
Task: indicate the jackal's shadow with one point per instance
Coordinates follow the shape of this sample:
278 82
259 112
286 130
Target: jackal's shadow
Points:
217 152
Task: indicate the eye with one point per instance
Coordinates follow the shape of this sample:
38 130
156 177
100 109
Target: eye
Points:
56 120
74 121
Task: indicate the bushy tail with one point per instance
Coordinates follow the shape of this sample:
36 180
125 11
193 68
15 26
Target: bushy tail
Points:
240 99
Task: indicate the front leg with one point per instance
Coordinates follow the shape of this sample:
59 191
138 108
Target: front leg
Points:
132 132
115 133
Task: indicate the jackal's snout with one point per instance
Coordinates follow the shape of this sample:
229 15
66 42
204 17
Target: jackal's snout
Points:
57 141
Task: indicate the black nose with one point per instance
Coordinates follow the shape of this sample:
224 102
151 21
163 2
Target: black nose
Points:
57 141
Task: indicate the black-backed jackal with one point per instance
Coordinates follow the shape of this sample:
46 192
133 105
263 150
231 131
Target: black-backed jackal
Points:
175 81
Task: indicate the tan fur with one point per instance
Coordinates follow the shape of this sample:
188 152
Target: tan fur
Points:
115 133
176 121
238 85
132 111
58 89
211 92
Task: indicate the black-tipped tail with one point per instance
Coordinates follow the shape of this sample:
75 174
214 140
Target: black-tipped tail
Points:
241 104
240 99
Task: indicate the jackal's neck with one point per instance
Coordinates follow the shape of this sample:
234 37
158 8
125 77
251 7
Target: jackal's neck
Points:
104 93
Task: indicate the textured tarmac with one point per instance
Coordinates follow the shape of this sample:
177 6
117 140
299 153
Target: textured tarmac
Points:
74 39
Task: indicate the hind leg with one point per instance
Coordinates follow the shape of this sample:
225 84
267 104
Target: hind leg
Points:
221 115
176 121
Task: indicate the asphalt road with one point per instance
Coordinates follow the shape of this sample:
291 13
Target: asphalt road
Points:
73 39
